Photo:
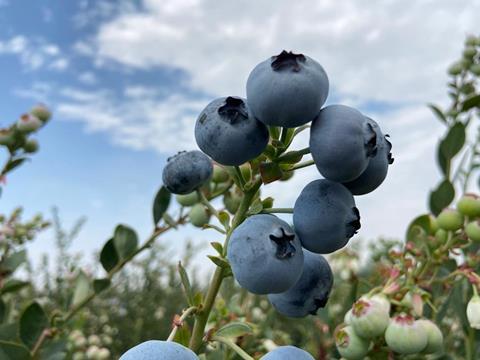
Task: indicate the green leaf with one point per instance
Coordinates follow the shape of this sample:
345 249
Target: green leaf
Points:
441 197
471 102
256 207
14 164
160 204
82 288
197 299
16 259
299 129
3 310
32 323
224 218
442 161
267 203
169 220
218 247
291 157
187 287
183 335
108 256
221 262
422 223
13 351
125 241
54 350
234 330
270 172
454 141
13 285
100 285
438 112
9 332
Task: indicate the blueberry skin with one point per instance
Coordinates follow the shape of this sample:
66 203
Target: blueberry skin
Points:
187 171
342 142
377 169
325 216
227 131
287 353
159 350
265 255
311 291
287 90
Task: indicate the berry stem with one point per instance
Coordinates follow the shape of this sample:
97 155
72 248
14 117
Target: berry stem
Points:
178 323
277 211
240 352
202 315
301 165
207 203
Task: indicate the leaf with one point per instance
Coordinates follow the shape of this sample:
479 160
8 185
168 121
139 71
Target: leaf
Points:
82 289
160 204
422 222
9 332
187 287
125 240
267 203
221 262
256 207
100 285
471 102
439 113
442 161
54 350
16 259
32 323
169 220
270 172
441 197
197 299
14 164
234 330
218 247
454 141
183 335
3 310
13 285
108 256
224 218
300 129
13 351
291 157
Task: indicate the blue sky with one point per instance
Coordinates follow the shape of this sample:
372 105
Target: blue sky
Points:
125 80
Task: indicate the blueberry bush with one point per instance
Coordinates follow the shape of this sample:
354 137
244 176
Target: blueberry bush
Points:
279 290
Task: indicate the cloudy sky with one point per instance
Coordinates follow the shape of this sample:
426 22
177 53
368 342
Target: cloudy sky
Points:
126 80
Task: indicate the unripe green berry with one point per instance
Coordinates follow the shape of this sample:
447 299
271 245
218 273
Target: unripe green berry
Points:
28 123
220 175
469 205
369 318
350 345
31 146
434 336
189 199
455 69
41 112
232 201
450 220
246 170
441 235
475 69
469 52
6 137
471 40
199 215
473 231
405 336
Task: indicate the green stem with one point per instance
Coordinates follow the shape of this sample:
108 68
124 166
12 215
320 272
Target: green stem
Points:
207 203
178 323
302 165
277 211
202 315
234 347
304 151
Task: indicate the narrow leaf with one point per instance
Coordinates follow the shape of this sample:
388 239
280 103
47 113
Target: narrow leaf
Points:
224 218
160 204
219 261
218 247
13 285
471 102
234 330
187 288
438 112
82 288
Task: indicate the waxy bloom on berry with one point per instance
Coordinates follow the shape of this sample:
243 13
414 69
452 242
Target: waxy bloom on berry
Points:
473 311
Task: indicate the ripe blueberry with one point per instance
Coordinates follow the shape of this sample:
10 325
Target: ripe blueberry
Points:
199 215
369 318
350 345
227 131
159 350
265 255
377 168
325 216
28 123
311 291
450 220
406 336
287 90
187 171
434 336
342 142
287 353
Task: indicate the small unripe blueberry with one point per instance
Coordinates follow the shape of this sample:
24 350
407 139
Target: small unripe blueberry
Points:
441 235
473 312
232 201
434 336
199 215
469 52
6 137
28 123
469 205
369 318
455 69
475 69
220 175
450 220
473 230
405 336
31 146
189 199
350 345
41 112
471 40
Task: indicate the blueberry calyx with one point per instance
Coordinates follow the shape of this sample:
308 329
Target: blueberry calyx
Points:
354 224
371 144
389 156
319 304
287 60
232 109
283 240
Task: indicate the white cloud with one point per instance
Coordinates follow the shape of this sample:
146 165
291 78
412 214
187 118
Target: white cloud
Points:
87 78
384 51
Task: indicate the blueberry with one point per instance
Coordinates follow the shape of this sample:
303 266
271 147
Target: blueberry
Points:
287 353
342 142
187 171
310 292
325 216
159 350
287 90
227 131
377 168
265 255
